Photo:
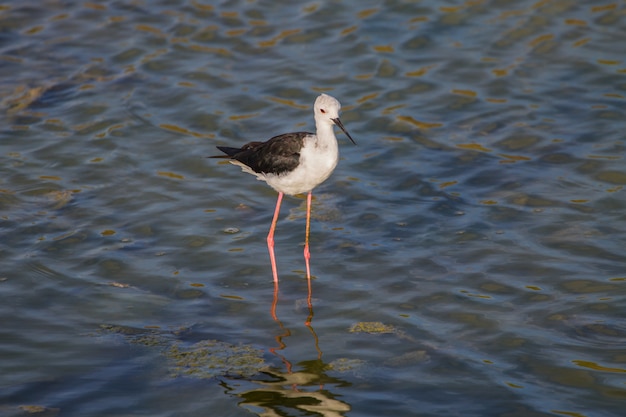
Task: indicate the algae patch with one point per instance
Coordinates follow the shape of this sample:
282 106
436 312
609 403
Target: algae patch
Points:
372 327
204 359
211 358
344 365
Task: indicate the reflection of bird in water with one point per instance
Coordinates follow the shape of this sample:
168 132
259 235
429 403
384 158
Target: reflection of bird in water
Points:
294 163
287 390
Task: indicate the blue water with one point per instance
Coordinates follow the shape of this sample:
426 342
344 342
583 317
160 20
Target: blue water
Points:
468 254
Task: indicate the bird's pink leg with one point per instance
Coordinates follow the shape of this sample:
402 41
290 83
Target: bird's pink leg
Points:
307 254
270 237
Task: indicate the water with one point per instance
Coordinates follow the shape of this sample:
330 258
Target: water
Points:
468 254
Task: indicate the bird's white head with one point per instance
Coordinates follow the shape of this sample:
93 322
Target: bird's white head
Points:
327 111
327 108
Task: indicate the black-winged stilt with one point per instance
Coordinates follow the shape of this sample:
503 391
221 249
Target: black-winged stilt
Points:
294 163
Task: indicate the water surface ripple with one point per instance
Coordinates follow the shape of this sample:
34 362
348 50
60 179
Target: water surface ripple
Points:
468 255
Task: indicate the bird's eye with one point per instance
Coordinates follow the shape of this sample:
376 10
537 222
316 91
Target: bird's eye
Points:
323 111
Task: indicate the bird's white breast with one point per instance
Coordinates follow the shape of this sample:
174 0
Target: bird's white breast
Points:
316 164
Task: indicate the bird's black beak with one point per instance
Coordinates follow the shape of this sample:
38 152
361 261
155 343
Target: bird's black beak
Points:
338 123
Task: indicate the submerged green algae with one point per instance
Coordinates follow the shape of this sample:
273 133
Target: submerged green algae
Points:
203 359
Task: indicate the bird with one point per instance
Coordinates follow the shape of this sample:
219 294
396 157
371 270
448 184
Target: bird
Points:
294 163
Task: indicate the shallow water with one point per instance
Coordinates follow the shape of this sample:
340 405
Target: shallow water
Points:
468 254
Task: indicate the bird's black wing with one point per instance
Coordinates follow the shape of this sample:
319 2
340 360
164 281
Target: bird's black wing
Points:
278 155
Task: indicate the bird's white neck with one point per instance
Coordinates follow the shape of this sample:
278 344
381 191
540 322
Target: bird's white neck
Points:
325 135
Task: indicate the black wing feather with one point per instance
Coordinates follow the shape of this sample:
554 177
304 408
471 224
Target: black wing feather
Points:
278 155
